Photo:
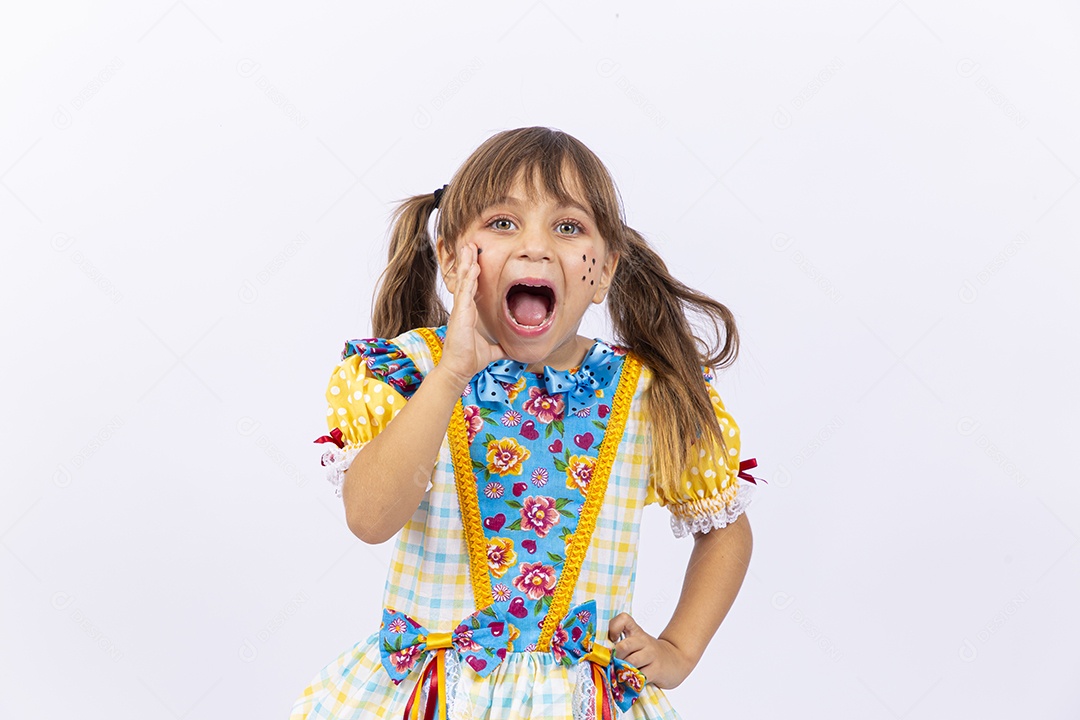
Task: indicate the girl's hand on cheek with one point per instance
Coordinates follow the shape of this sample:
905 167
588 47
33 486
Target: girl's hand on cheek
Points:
466 351
659 661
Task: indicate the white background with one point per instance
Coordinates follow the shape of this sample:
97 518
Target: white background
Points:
193 207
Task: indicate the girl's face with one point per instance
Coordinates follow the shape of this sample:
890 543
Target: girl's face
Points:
541 266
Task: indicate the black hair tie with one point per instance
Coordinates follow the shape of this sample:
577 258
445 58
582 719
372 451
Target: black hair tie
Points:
439 193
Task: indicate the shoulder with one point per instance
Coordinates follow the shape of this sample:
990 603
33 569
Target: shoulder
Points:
709 387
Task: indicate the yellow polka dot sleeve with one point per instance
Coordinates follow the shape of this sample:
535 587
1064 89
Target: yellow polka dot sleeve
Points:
710 494
359 405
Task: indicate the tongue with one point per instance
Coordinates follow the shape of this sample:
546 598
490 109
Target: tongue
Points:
527 308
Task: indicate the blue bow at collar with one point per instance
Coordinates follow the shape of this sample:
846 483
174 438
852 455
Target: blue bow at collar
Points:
595 373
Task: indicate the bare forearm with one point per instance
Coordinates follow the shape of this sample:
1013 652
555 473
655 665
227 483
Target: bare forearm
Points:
389 476
714 575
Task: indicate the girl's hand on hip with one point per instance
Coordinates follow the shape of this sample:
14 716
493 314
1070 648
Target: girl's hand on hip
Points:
465 351
662 664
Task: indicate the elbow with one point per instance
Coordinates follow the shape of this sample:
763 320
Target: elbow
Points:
366 529
368 535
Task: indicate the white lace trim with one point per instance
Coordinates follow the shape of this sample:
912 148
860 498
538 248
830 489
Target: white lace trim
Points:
683 526
584 702
458 705
337 461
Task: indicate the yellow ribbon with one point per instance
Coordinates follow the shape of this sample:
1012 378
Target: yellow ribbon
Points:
599 655
438 640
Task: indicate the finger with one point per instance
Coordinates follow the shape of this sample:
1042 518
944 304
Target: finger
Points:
474 271
469 271
454 274
629 645
618 626
461 265
464 290
640 657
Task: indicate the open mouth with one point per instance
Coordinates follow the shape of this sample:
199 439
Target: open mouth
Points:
530 303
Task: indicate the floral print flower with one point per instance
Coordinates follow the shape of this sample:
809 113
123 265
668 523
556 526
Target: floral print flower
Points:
558 643
584 616
397 625
536 580
539 477
511 418
583 412
632 677
473 420
513 635
546 408
500 555
505 455
539 514
513 390
493 490
579 470
405 659
463 641
502 593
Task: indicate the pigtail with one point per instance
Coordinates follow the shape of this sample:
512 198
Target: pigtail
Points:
649 311
407 295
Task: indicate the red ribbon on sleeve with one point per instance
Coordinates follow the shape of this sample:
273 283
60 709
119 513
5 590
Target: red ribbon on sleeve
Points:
334 437
746 465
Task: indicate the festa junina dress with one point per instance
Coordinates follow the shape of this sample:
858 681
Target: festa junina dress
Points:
503 582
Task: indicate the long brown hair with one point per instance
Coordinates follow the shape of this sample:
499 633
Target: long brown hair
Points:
650 310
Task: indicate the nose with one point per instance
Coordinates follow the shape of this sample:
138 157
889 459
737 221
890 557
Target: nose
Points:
535 244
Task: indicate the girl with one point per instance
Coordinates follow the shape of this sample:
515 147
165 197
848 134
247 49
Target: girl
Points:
515 456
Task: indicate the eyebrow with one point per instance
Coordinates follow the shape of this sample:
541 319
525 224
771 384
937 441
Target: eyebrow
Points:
511 200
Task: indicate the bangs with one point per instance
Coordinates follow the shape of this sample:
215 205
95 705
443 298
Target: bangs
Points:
543 178
551 163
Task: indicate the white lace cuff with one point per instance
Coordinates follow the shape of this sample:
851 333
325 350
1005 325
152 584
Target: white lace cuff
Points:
336 461
709 513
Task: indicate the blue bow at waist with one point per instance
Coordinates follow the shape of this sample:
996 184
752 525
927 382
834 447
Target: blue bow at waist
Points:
614 678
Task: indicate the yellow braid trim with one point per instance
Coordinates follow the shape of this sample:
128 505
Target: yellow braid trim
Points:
465 482
578 543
